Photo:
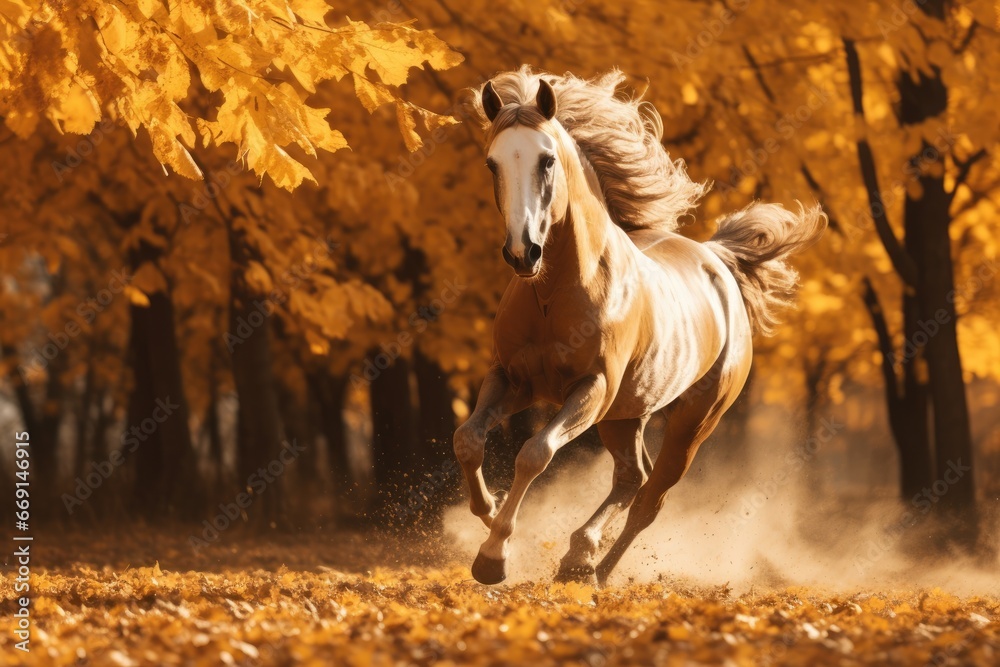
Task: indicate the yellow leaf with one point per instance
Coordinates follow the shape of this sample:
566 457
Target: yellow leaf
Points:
148 279
372 95
136 297
408 126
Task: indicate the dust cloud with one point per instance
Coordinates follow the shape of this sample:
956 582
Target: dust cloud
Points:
764 521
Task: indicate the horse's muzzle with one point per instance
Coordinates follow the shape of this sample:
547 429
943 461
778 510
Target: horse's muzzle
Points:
526 265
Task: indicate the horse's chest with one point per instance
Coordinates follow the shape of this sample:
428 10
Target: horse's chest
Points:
549 352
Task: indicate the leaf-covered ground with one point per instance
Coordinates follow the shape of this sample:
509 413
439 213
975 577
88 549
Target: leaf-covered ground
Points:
239 604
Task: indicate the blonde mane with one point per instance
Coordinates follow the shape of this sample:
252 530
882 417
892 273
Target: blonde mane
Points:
643 188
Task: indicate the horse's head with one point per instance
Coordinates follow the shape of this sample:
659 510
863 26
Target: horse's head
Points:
529 180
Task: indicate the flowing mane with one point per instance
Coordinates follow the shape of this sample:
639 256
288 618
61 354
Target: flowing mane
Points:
642 186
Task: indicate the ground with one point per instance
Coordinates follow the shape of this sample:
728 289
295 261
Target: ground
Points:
293 599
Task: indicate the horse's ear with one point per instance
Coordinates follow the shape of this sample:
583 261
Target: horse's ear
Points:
546 99
491 101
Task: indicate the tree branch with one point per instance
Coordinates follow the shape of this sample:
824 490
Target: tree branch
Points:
968 37
874 307
758 74
901 260
963 171
814 185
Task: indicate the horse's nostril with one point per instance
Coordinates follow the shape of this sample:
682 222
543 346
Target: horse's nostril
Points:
507 257
534 253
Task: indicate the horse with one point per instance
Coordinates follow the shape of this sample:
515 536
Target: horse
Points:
592 202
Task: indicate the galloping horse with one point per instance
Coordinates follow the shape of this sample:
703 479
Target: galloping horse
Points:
591 201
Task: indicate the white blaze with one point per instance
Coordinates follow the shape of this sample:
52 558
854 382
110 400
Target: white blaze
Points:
517 152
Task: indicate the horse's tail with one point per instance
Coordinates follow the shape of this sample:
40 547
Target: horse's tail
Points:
754 244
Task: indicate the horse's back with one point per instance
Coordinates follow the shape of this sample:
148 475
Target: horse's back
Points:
675 252
705 279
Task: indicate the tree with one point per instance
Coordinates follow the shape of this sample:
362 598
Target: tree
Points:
196 84
930 352
241 107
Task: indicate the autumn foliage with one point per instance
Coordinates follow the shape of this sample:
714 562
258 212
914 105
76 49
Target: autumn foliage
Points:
304 613
274 215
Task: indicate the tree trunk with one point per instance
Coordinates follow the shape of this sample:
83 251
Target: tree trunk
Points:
907 404
437 416
299 428
330 394
99 434
914 409
166 480
438 468
394 432
928 219
41 420
213 424
84 425
953 451
931 354
259 433
42 425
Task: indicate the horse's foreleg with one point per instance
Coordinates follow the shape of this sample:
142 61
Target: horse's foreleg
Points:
623 438
497 401
577 414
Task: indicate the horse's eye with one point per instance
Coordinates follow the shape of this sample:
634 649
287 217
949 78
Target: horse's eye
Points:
548 162
491 165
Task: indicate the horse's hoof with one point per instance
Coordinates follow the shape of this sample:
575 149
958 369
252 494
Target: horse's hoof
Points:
582 574
489 570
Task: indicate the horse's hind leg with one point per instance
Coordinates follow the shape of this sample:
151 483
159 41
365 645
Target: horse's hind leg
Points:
680 444
690 419
623 438
497 401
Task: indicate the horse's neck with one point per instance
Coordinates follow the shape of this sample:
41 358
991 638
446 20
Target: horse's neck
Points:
582 240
